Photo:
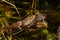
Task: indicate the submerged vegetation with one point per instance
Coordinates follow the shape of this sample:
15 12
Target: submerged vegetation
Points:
29 19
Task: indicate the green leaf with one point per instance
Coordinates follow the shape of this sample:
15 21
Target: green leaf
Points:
45 31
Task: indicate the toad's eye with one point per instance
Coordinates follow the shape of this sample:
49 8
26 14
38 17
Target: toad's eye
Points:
41 20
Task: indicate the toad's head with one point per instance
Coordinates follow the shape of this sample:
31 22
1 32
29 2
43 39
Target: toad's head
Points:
40 20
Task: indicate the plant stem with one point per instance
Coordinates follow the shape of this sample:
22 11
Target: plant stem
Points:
4 36
12 5
33 6
10 37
